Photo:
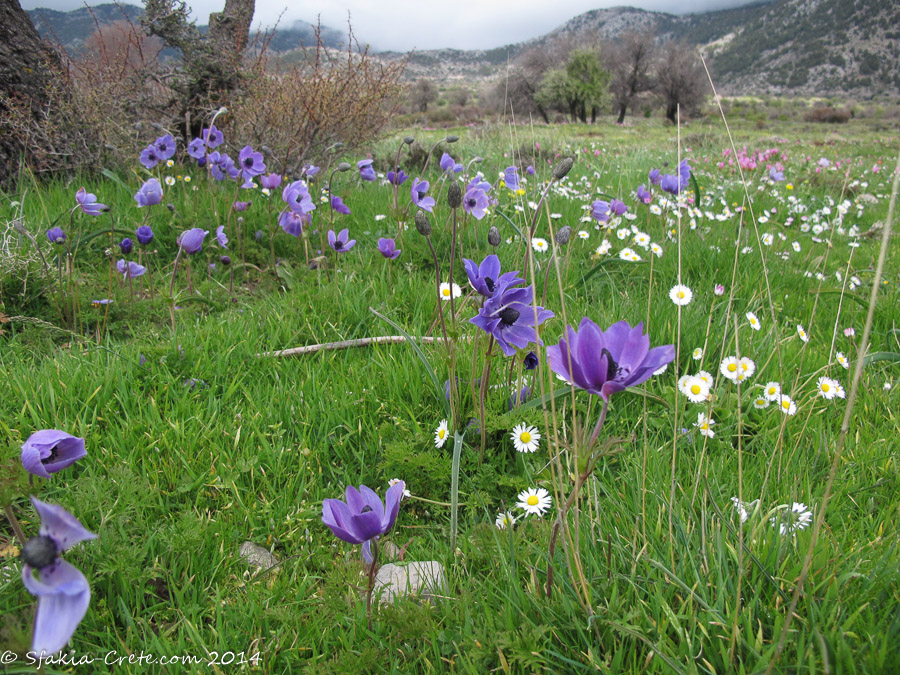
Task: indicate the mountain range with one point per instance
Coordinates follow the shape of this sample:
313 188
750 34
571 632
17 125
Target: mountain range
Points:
778 47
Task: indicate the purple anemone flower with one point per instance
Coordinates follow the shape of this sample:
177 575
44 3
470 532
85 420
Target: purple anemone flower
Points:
197 148
165 147
450 164
222 166
221 238
670 184
292 222
480 183
363 516
644 195
341 243
310 170
149 194
388 248
529 170
50 450
475 202
338 205
130 269
775 175
530 361
250 162
600 211
655 176
191 240
366 172
212 137
296 196
126 246
511 319
606 362
149 158
62 590
271 181
56 235
241 206
617 207
144 235
397 177
87 202
486 278
417 193
511 178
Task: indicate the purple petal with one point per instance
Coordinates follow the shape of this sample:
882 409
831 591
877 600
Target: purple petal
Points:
60 525
373 501
37 450
64 596
337 516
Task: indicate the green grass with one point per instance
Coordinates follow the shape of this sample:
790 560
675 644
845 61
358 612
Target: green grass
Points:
177 477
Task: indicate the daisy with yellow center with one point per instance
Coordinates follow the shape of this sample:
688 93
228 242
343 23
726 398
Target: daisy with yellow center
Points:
187 179
730 368
582 234
504 520
788 407
747 368
525 438
441 434
680 294
772 391
705 424
842 360
827 388
540 245
760 402
695 388
447 289
754 322
802 333
170 163
170 180
534 501
656 249
697 354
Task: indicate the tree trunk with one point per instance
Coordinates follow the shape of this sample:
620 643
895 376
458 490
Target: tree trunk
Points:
25 64
671 111
593 114
622 111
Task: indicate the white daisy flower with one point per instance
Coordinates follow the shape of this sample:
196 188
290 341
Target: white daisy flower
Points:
505 520
642 239
802 333
697 354
772 391
170 180
661 369
840 393
842 360
623 233
525 438
744 508
540 245
583 234
748 367
796 246
754 321
170 162
441 434
655 210
760 403
767 239
380 216
603 249
797 518
731 368
266 191
628 254
187 179
788 407
534 501
446 290
656 249
827 388
705 425
680 294
696 389
392 482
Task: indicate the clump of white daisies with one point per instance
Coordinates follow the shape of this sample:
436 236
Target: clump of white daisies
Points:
787 518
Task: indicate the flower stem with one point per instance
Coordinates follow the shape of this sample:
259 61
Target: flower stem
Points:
485 375
14 522
374 549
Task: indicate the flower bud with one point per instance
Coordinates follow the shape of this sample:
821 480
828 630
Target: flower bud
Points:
454 195
409 140
563 234
478 160
494 236
225 260
422 224
159 127
265 149
562 169
343 166
452 138
126 246
171 207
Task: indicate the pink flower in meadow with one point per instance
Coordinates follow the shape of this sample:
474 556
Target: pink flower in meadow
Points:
849 332
720 289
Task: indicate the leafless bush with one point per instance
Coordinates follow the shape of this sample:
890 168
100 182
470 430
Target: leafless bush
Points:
828 115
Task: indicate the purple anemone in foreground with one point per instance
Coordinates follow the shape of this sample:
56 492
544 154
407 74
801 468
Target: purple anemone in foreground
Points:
388 248
341 243
475 202
292 222
644 195
62 590
149 158
366 172
511 319
486 278
296 196
338 205
126 246
250 162
606 362
418 196
87 202
397 177
130 269
150 193
191 240
144 235
449 164
56 235
164 146
270 181
655 176
600 211
51 450
363 516
511 178
197 148
212 137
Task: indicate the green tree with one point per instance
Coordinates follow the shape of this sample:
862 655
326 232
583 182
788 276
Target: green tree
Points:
579 88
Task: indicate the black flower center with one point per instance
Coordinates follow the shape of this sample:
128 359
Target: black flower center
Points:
51 457
339 244
39 552
489 284
508 316
472 203
612 368
366 509
248 161
163 148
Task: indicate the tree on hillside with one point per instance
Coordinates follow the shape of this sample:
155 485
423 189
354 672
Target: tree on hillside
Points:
421 93
680 79
578 88
630 62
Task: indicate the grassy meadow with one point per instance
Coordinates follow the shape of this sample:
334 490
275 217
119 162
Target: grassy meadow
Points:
197 441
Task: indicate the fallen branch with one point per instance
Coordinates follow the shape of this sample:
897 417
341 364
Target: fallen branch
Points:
346 344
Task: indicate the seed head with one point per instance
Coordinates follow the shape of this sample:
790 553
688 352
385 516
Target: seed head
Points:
454 195
422 224
563 234
38 552
452 138
409 140
562 169
494 236
343 166
171 207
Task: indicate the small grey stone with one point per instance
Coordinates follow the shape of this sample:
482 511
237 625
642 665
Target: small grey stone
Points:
389 550
257 556
424 580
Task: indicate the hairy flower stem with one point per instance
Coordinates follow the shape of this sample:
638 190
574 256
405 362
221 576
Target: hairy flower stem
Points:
452 258
14 523
428 158
437 273
579 482
534 220
374 550
174 271
395 184
485 374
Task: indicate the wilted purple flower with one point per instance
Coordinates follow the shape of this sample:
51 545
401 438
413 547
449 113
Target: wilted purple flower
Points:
522 395
149 158
655 176
775 175
144 235
56 235
251 162
197 148
366 172
222 166
363 516
50 450
673 183
486 278
292 222
529 170
338 205
530 361
417 193
617 207
221 237
130 269
126 246
669 183
296 196
100 303
397 177
341 243
63 591
388 248
149 194
600 211
191 240
165 147
212 137
241 206
259 234
606 362
644 195
475 202
88 203
511 178
511 319
225 260
271 181
310 170
450 164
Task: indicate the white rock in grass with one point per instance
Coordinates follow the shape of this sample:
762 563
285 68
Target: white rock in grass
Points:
424 580
256 556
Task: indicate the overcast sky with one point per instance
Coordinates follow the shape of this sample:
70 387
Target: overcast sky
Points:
429 24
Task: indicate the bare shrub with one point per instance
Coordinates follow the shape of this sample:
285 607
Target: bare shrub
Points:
828 115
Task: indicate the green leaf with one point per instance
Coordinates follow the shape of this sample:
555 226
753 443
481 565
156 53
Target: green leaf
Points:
286 274
514 226
85 238
114 178
893 357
